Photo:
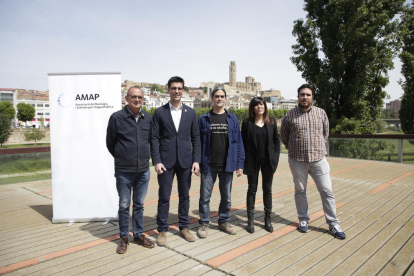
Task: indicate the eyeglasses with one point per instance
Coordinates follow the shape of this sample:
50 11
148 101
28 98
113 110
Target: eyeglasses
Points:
136 97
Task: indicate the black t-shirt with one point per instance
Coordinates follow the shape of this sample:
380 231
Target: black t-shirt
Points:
219 142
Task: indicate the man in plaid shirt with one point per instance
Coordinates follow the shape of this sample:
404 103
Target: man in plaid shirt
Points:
304 132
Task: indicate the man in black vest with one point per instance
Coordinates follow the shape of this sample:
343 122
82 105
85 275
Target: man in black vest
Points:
127 139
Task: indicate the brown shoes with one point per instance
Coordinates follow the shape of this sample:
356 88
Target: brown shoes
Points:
202 231
141 240
145 242
162 239
185 233
227 227
122 246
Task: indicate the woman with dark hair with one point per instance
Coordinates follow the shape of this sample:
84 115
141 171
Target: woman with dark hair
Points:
262 149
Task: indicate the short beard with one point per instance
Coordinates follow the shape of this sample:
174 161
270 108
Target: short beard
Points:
301 106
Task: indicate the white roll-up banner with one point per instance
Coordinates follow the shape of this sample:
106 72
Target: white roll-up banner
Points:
83 183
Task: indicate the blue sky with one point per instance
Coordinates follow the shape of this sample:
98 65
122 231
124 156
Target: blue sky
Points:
153 40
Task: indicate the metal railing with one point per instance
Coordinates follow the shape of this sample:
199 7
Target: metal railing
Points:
399 137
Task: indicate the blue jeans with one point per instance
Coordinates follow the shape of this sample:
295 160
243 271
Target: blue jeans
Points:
138 183
206 188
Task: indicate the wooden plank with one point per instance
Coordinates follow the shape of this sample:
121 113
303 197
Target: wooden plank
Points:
371 238
305 257
402 260
376 263
180 267
251 260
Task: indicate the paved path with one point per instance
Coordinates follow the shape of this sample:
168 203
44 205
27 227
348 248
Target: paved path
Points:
375 203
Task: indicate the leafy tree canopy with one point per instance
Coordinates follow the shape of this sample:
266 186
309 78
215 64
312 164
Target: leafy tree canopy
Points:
407 70
5 130
34 135
7 109
157 88
25 112
344 49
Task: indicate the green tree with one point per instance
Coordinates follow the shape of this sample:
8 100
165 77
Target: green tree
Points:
241 114
202 111
345 49
25 112
385 114
5 130
278 113
156 87
7 109
360 148
380 126
150 111
370 149
42 122
34 135
407 70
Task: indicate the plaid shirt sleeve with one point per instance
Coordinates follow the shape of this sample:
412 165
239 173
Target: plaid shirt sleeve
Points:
325 126
284 131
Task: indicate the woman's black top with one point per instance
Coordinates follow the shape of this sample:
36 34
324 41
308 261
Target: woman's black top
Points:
262 142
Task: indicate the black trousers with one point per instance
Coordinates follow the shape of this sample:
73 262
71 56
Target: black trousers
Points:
165 182
267 179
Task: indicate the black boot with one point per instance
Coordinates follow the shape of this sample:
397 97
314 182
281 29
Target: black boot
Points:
268 222
250 222
250 213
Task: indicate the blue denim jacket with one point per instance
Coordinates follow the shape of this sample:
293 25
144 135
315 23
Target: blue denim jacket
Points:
235 155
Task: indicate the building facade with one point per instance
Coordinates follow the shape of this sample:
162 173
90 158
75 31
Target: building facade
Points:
393 107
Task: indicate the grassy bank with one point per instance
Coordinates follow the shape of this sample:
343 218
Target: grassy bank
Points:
25 166
25 178
26 145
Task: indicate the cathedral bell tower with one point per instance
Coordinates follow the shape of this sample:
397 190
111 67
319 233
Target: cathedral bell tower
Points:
232 74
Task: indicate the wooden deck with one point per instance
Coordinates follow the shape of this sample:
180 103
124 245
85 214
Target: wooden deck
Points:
375 204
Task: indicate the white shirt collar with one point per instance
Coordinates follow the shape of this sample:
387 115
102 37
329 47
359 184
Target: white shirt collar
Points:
173 108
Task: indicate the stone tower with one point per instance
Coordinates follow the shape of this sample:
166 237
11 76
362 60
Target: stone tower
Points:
232 73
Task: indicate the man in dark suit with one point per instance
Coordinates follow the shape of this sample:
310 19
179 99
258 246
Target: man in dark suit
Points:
175 150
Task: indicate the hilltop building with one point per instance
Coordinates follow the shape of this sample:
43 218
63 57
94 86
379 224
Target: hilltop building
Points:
248 86
240 93
233 87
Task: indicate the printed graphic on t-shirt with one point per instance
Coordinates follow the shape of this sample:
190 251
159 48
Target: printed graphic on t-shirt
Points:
219 128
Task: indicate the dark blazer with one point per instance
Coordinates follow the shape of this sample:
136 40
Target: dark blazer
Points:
250 145
128 141
167 144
